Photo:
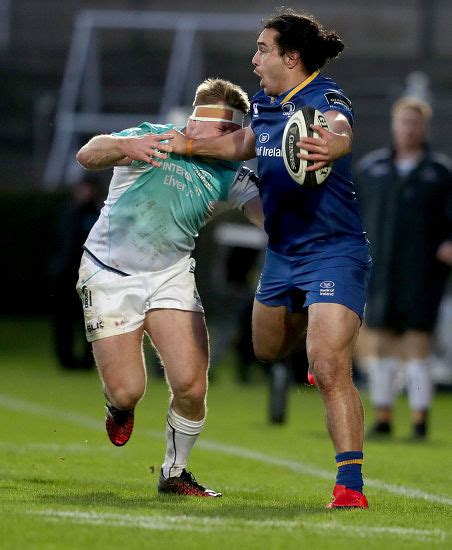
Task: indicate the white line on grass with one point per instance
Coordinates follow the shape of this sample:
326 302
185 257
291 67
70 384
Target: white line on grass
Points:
24 448
232 450
195 523
306 469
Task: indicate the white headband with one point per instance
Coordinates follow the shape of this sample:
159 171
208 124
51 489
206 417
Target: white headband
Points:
218 113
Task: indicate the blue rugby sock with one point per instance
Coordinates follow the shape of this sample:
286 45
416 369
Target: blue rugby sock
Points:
349 470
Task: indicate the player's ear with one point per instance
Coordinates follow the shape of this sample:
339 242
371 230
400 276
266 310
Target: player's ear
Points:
291 59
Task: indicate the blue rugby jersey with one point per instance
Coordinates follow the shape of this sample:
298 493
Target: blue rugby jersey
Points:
299 221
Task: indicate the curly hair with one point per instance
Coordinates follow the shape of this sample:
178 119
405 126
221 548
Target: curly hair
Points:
303 33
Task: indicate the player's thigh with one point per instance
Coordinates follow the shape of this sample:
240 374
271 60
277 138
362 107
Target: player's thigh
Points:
181 340
332 332
119 360
276 332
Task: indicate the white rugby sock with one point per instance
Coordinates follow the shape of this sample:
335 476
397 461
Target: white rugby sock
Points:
419 384
181 435
381 375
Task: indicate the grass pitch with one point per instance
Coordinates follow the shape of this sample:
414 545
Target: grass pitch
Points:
64 486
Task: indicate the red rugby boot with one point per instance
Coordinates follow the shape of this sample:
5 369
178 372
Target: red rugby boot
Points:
311 379
347 498
119 424
185 484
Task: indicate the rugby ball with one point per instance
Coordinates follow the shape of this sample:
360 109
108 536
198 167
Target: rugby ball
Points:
298 126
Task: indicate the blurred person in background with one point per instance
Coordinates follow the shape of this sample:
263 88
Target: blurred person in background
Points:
405 193
74 224
137 274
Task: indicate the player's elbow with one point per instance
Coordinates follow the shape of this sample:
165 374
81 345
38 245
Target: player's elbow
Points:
88 159
83 158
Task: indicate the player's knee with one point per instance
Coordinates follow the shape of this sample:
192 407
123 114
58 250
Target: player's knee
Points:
332 376
265 354
124 397
330 373
325 378
191 391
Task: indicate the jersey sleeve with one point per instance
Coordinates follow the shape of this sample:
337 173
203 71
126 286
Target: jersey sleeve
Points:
243 188
336 100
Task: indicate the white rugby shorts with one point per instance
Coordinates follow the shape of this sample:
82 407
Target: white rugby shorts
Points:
115 304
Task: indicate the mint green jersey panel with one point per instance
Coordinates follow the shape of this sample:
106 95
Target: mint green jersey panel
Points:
152 215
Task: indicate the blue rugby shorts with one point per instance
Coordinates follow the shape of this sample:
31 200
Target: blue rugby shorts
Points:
297 282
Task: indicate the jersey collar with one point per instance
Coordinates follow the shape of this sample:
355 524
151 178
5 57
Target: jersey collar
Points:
295 90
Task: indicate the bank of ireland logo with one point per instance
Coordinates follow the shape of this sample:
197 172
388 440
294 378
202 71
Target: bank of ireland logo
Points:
327 288
288 109
263 138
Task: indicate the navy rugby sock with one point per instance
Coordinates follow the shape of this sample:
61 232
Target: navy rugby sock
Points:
349 470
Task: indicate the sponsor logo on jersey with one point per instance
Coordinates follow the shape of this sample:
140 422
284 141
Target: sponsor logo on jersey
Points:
327 288
263 151
288 108
170 180
255 110
204 177
263 138
179 170
335 99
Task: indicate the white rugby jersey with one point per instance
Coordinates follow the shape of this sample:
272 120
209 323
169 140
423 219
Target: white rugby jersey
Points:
152 216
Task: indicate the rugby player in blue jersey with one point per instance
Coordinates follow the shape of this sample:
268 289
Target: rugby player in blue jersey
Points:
317 263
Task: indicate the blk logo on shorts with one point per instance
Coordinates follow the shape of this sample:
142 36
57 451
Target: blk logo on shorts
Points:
94 324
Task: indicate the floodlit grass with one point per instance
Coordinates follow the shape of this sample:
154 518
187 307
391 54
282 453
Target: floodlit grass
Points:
63 485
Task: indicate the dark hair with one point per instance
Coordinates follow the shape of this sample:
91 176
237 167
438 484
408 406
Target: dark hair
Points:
302 33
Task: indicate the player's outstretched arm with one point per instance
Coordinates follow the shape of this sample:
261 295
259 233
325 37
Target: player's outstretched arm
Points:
330 145
238 145
106 151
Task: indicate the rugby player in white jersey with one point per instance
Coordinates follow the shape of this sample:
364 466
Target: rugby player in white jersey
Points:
137 275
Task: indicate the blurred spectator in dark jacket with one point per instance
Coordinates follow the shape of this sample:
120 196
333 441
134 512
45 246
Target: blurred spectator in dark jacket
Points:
405 194
73 227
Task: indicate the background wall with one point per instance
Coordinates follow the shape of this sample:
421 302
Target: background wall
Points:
385 43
